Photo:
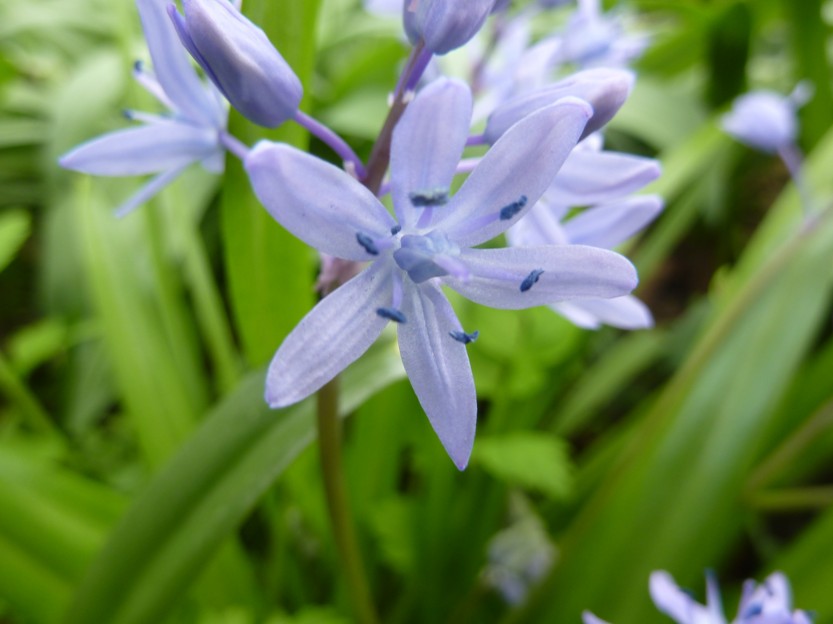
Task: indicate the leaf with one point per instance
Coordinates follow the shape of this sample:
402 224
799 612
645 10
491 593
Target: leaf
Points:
528 459
204 493
15 228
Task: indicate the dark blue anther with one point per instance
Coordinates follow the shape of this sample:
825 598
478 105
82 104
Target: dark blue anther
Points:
752 610
531 279
461 336
430 197
507 212
392 314
395 230
128 114
138 66
369 246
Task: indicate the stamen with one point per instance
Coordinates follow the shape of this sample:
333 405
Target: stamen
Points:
531 279
430 197
391 314
138 66
395 230
461 336
507 212
368 243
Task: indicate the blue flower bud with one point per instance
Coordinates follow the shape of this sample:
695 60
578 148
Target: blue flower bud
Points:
238 57
444 24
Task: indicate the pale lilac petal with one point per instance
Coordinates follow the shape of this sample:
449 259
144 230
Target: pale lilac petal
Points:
609 225
540 226
514 173
589 177
144 194
762 119
438 367
173 68
677 604
427 144
522 277
316 201
589 618
147 149
333 335
626 312
605 89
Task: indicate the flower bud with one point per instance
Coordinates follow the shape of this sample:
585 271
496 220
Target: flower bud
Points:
604 89
238 57
444 24
764 120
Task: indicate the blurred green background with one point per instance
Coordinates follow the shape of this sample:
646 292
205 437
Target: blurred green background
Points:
142 478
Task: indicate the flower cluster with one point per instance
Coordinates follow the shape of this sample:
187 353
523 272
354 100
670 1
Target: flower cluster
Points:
767 603
543 163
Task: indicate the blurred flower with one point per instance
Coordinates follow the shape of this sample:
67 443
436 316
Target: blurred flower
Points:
429 244
767 603
444 25
163 144
766 120
239 59
602 182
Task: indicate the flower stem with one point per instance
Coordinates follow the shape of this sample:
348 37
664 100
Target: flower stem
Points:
234 145
329 444
336 143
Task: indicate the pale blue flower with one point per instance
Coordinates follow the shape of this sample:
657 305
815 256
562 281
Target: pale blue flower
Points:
429 244
767 603
766 120
602 182
443 25
164 145
239 59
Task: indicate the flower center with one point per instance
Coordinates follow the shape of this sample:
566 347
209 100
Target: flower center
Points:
431 255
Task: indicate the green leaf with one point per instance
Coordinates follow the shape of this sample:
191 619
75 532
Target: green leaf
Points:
527 459
203 494
15 227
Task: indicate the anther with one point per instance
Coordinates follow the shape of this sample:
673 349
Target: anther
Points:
461 336
531 279
138 66
428 198
395 230
507 212
369 246
392 314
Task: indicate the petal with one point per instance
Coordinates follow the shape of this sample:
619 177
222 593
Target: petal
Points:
514 173
626 312
605 89
762 119
438 367
589 177
589 618
509 278
146 149
427 144
677 604
335 333
540 226
173 68
316 201
609 225
147 191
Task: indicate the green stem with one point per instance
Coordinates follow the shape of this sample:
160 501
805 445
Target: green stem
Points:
329 444
28 404
795 499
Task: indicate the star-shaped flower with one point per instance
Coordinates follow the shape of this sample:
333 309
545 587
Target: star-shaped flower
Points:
164 145
429 244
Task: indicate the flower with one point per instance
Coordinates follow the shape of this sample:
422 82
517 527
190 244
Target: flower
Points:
601 181
766 120
428 245
443 25
165 145
767 603
239 59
